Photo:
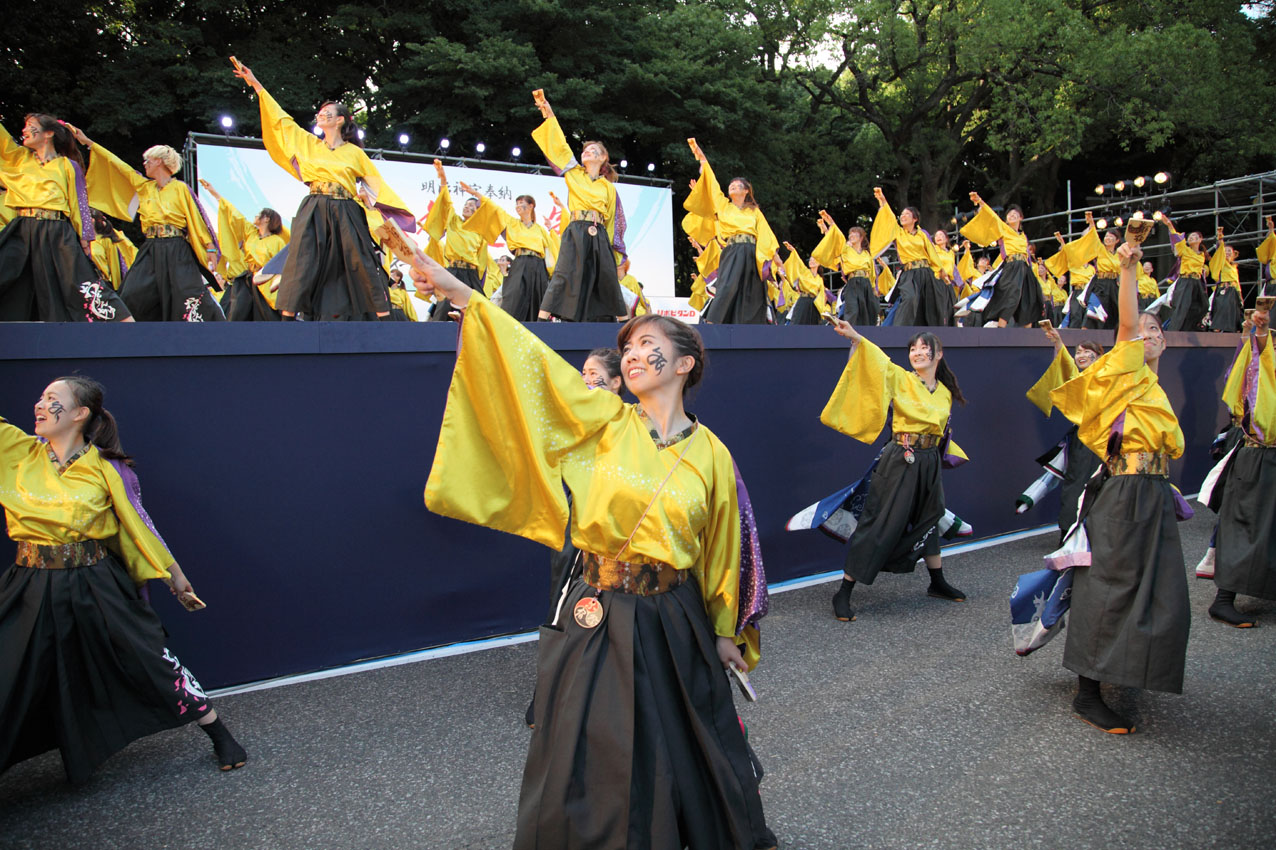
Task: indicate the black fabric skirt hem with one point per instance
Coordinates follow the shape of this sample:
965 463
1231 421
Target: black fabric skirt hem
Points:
1191 303
167 283
45 276
1245 561
243 302
898 524
585 286
741 295
332 273
922 300
1226 314
1016 296
859 301
524 288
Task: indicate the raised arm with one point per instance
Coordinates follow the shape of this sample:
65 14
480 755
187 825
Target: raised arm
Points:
1128 296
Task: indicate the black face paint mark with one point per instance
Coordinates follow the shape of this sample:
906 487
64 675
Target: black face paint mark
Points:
56 409
657 360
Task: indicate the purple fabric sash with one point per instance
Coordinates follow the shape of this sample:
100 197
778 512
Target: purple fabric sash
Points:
134 489
754 599
87 231
618 231
212 231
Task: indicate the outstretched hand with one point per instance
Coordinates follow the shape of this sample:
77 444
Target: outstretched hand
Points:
880 195
469 190
976 200
438 169
845 330
245 73
542 104
78 134
1129 254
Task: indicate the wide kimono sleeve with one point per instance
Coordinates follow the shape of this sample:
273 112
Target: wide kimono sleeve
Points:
698 227
12 154
199 228
1218 262
285 140
1061 370
514 410
143 551
489 220
232 230
985 228
1266 249
113 185
15 444
885 281
128 251
885 229
382 198
78 201
767 245
863 394
1097 396
706 198
550 139
1251 387
829 252
1083 249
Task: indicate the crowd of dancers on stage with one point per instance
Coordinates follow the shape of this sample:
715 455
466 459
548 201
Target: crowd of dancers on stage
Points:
63 257
658 578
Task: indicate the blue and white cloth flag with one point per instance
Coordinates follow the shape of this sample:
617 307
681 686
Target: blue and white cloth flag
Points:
1038 608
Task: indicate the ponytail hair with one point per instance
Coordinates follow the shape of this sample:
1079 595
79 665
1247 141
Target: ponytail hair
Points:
943 373
63 142
100 428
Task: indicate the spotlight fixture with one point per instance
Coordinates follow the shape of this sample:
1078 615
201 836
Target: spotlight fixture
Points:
1138 216
403 139
624 163
1119 221
516 152
480 148
1162 177
1098 190
1140 182
445 143
1101 224
361 134
1119 185
1158 216
651 168
227 122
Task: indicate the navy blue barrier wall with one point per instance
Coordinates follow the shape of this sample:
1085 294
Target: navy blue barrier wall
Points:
285 466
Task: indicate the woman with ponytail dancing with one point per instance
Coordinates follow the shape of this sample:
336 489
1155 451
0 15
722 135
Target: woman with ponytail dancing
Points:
83 666
46 274
1016 298
920 298
899 522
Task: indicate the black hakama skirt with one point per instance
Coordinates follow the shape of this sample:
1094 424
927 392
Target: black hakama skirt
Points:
524 288
1191 303
897 527
636 741
585 286
45 276
332 273
1129 618
921 299
1082 464
1245 562
167 283
1076 311
1106 290
1016 296
246 303
741 298
466 275
804 312
859 302
83 667
1226 313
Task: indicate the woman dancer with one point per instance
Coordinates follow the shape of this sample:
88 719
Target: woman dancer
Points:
750 252
810 304
637 742
401 308
45 271
919 299
849 255
585 286
169 278
1016 299
533 248
1245 557
113 252
332 272
1226 314
456 241
1190 302
249 246
906 499
1129 616
1088 248
85 668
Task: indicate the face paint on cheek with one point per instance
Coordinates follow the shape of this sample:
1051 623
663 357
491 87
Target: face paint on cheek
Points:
657 360
56 410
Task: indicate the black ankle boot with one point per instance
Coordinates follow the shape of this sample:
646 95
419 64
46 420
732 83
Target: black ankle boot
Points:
941 589
530 717
1224 610
842 601
1090 707
229 754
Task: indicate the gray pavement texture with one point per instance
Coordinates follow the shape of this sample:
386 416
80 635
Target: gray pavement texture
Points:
915 726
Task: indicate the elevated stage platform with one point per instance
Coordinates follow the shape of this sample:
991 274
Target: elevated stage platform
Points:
285 465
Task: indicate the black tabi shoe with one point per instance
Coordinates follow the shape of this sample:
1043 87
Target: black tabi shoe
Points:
230 754
842 602
1226 613
530 717
941 589
1095 711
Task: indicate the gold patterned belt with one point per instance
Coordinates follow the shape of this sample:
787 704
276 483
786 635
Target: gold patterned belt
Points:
1197 276
165 231
1251 443
587 215
741 239
461 264
332 190
1020 258
62 556
37 212
1140 463
527 252
915 441
916 264
603 573
1105 276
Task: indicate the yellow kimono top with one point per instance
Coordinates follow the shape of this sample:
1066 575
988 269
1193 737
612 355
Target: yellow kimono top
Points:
119 191
706 265
84 499
1061 370
308 158
1060 263
1191 261
1089 247
1267 254
802 281
1222 271
242 244
911 247
1050 289
1250 391
7 213
490 221
493 280
871 385
57 185
885 281
520 423
1120 382
1148 287
402 299
453 239
834 252
707 201
643 307
113 257
987 228
584 194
